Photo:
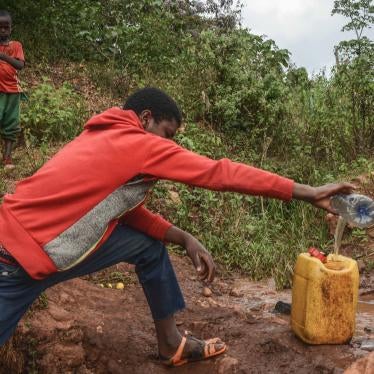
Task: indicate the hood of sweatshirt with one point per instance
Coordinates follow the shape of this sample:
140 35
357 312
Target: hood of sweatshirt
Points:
113 116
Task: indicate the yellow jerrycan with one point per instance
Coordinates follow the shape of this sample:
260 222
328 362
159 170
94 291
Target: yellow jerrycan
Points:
324 299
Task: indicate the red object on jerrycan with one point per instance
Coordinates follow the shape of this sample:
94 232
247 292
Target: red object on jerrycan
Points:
314 252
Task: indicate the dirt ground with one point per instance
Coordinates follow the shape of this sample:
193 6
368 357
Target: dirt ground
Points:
81 327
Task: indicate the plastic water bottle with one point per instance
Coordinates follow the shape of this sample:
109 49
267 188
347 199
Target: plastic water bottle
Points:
356 209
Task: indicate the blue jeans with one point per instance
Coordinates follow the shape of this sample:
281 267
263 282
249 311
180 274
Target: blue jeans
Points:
152 265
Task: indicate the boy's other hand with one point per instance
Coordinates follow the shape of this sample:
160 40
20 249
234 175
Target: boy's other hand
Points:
200 257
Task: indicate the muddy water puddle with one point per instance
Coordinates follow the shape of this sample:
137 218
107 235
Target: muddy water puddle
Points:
366 304
259 299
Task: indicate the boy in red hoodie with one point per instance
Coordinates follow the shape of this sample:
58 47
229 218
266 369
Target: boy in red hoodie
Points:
83 211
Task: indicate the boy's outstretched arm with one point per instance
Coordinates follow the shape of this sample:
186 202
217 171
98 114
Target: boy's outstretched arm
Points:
320 196
17 64
202 259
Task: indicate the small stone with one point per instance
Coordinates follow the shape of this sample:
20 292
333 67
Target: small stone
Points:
228 365
120 286
207 292
99 329
236 292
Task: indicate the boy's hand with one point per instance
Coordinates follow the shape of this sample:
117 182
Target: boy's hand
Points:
17 64
200 257
320 196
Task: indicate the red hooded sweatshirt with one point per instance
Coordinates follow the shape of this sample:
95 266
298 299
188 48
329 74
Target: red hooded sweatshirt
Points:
62 213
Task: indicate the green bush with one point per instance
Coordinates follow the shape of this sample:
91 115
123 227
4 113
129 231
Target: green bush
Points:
52 114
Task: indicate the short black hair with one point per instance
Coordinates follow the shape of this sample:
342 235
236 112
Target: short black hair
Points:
5 13
160 104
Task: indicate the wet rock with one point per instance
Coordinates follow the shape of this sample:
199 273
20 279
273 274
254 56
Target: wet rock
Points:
368 345
236 292
282 307
364 365
228 365
207 292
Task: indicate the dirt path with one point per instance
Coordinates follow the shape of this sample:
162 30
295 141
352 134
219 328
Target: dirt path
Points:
80 327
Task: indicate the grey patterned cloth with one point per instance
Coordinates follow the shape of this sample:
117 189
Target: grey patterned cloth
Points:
5 255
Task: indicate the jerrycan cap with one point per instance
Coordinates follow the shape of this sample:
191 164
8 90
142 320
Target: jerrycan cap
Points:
314 252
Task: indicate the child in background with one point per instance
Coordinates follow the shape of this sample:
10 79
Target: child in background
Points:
11 60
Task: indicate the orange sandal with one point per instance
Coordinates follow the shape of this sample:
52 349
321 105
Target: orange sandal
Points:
208 350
